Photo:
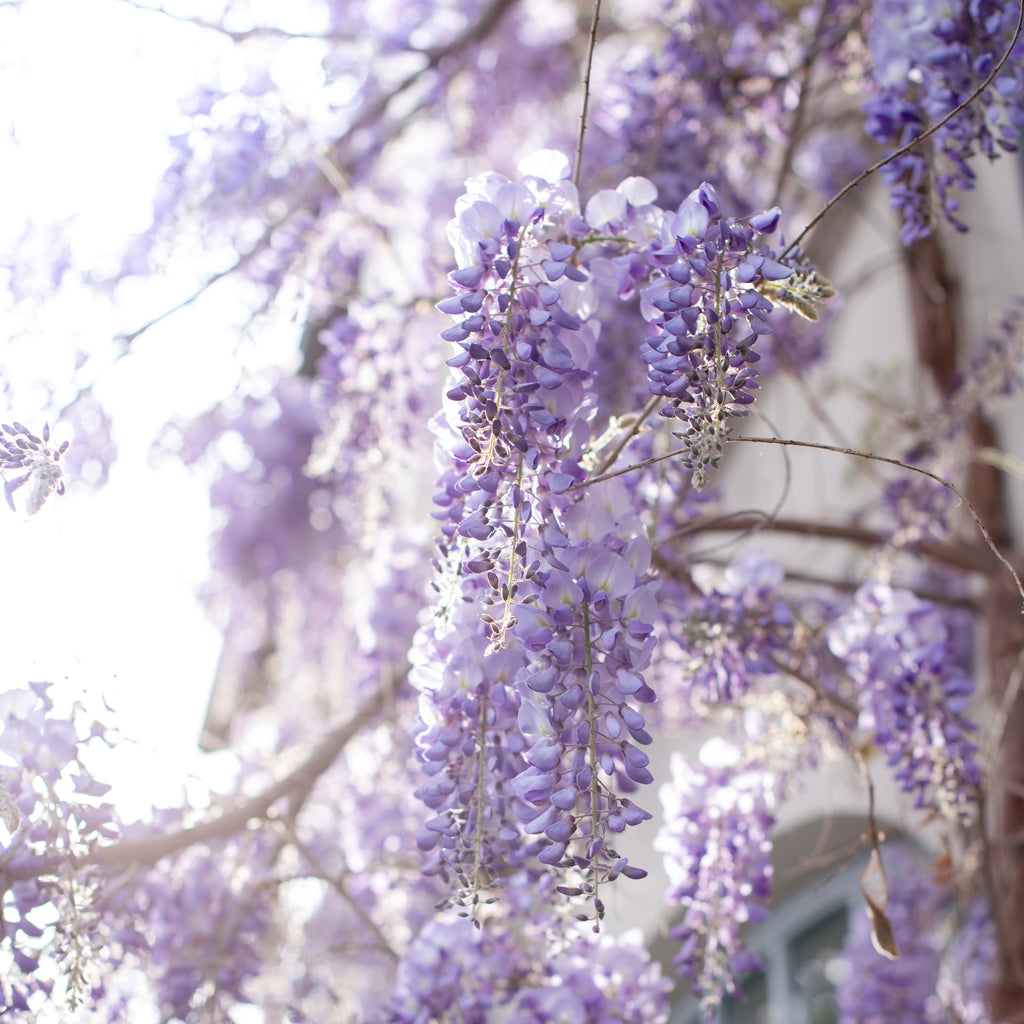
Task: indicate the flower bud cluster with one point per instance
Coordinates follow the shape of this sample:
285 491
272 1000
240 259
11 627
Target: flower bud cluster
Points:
52 808
526 975
725 637
203 919
588 630
706 311
36 462
913 692
928 59
528 671
717 845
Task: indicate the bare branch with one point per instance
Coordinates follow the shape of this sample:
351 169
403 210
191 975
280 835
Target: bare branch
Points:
337 883
803 81
148 849
241 261
960 556
902 465
586 91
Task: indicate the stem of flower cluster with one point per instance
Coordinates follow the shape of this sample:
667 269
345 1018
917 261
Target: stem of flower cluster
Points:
506 335
510 578
478 840
592 722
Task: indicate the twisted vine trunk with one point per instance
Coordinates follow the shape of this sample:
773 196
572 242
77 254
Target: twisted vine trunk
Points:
937 318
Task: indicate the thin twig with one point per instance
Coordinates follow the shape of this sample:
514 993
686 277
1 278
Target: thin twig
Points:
803 83
970 559
241 261
586 91
1014 686
627 436
917 140
337 883
840 451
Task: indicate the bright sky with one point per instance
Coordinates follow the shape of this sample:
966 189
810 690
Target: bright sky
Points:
99 592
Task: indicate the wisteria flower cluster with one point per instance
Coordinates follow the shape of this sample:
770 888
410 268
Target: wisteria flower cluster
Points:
56 815
35 462
726 637
913 694
556 661
716 842
483 966
588 634
928 59
594 980
712 102
706 314
530 975
203 921
441 848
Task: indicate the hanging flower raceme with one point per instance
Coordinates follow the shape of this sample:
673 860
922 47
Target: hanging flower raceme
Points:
467 746
928 59
519 372
510 438
726 637
587 628
717 846
913 693
530 670
706 311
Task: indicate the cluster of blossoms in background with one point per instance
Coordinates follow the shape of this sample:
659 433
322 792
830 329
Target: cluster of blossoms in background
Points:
914 694
444 681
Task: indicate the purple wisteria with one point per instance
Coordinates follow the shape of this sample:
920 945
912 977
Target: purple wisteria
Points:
55 815
716 841
514 422
530 730
714 100
928 59
588 631
202 921
528 974
706 313
437 814
724 638
913 694
35 463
